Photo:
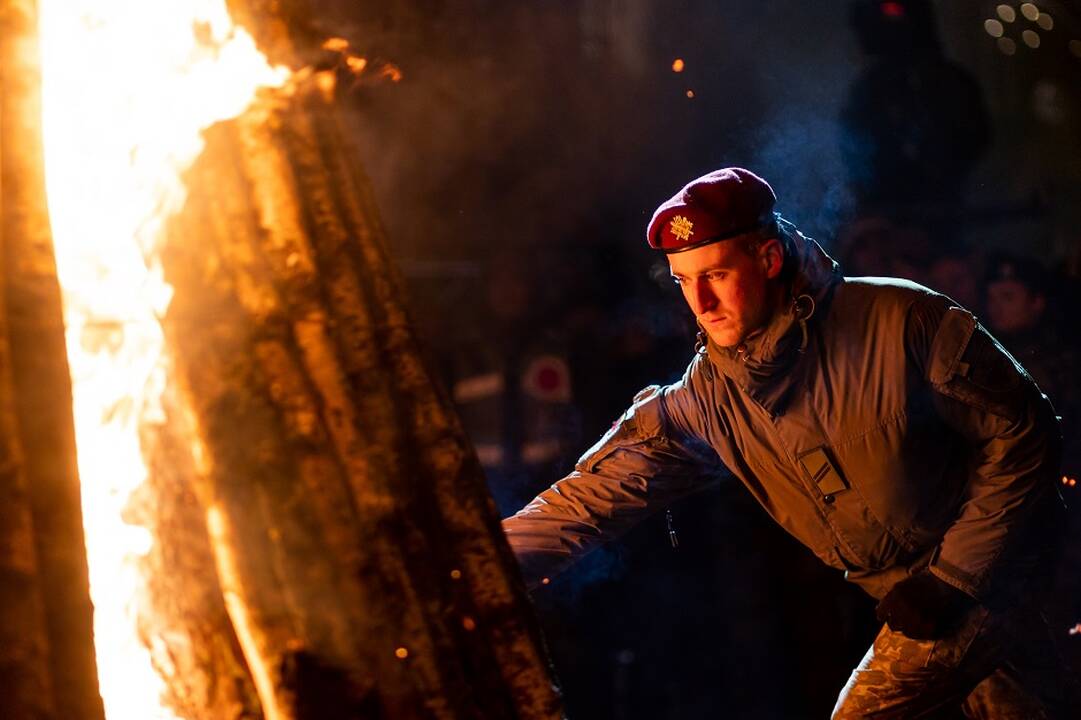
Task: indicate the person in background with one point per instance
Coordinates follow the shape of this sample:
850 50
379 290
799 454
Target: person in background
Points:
955 274
914 123
1023 310
1020 303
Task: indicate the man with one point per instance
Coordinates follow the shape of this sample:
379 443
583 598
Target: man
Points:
879 424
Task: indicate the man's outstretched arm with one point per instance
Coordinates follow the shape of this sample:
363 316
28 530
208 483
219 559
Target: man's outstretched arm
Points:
650 458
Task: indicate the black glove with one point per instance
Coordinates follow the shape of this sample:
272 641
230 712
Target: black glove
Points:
923 607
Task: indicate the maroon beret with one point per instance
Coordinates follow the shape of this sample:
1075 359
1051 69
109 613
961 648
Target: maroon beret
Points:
717 206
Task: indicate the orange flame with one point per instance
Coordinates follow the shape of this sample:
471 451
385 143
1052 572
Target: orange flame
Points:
336 44
356 64
391 72
127 88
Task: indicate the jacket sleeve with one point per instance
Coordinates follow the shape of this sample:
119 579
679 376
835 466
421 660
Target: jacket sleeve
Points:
650 458
985 395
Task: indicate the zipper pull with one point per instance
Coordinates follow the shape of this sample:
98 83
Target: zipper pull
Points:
671 529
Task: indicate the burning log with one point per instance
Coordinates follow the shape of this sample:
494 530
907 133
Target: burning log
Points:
47 667
184 622
358 552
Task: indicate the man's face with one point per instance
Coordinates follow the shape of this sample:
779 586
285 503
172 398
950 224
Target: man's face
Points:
953 276
1012 307
728 288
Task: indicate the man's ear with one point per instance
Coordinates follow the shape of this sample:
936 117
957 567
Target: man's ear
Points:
771 254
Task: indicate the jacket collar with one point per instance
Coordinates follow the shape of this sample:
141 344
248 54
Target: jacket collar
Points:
764 364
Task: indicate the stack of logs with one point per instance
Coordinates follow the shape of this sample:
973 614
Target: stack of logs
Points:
325 545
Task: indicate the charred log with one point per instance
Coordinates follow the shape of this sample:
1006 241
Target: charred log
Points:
348 515
184 622
47 661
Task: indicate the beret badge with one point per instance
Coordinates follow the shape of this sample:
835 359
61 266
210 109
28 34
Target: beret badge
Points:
681 227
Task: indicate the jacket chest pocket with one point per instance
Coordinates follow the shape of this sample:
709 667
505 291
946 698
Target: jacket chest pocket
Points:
908 471
863 539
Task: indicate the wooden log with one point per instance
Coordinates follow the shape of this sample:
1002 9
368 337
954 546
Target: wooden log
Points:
451 491
38 458
261 470
184 622
25 677
359 553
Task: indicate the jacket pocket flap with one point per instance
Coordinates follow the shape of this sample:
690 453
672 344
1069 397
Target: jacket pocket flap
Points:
951 339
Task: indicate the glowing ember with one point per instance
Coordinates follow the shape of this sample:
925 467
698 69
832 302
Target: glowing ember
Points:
678 65
127 87
392 73
336 44
356 64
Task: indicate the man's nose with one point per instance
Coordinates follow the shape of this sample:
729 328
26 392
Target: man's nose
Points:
701 297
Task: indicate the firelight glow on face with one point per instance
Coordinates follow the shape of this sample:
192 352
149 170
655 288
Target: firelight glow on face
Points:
726 289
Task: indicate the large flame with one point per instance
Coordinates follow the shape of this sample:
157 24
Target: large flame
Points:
127 87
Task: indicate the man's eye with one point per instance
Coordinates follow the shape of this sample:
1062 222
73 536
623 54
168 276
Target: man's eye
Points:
716 276
678 280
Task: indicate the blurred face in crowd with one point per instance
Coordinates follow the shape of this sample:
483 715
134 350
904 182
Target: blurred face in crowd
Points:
511 286
1012 307
731 286
954 276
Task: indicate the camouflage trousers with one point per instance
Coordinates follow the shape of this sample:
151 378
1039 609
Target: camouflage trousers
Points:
997 664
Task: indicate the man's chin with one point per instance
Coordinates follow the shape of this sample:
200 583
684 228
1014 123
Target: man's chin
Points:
723 338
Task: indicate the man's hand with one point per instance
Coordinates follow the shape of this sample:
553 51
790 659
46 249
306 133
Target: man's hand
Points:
923 607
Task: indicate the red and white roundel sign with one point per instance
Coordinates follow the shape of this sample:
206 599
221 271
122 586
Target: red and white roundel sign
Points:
548 378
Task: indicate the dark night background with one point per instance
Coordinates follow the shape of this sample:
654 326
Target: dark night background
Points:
516 165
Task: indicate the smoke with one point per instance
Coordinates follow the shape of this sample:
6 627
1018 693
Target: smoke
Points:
604 564
798 152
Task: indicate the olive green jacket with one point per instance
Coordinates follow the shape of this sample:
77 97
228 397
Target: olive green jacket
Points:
873 419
